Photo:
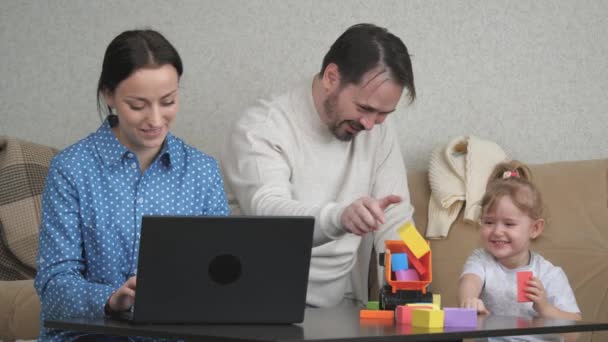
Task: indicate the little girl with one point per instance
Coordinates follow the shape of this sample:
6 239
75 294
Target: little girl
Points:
511 217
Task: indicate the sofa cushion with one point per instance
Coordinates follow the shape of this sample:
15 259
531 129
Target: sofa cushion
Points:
576 234
20 310
23 170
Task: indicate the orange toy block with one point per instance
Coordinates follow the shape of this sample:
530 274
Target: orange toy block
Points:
377 314
414 241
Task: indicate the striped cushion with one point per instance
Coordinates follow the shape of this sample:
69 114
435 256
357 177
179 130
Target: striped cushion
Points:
23 170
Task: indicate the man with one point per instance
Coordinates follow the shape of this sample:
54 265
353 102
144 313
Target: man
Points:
312 151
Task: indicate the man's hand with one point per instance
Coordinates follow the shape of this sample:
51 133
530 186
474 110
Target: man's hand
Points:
474 303
124 297
366 214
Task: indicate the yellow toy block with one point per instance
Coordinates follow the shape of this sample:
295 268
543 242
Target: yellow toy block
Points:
429 306
427 318
414 241
437 300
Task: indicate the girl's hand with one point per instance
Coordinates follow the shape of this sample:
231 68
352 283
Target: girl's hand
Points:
124 297
474 303
535 291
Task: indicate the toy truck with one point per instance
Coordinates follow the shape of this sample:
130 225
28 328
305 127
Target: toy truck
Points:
398 292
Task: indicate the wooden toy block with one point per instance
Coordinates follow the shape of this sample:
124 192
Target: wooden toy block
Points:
399 262
373 305
460 317
403 314
522 279
377 314
427 318
437 299
414 241
412 260
407 275
377 323
429 306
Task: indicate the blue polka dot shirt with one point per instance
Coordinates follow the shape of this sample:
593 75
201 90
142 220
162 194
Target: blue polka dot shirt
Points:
92 207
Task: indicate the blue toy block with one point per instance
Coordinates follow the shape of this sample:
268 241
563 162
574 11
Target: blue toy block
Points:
399 262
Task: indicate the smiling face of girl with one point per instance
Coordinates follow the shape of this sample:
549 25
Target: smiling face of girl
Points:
507 232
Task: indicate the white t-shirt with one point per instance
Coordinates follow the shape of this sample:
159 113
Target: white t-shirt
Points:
499 291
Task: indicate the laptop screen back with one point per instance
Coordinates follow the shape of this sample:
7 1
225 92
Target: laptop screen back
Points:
229 269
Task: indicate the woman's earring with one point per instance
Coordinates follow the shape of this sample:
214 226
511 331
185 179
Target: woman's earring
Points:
112 117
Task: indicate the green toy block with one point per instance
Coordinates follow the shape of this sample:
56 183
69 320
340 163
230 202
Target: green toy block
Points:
373 305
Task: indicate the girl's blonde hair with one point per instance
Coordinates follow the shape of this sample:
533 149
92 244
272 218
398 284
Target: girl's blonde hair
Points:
513 179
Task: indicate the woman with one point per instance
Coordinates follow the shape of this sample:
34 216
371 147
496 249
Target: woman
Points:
98 189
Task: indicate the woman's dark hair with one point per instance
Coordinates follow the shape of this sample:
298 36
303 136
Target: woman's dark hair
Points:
129 52
364 46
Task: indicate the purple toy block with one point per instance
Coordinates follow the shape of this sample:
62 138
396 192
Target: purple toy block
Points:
399 262
460 317
407 275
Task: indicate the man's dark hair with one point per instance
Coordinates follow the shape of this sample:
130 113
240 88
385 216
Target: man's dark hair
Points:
131 51
365 46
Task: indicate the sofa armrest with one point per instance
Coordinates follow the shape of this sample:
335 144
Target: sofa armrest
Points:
19 310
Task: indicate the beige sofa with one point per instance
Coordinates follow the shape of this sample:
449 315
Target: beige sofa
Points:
576 238
23 169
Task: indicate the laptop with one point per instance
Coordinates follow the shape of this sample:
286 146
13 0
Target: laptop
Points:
228 269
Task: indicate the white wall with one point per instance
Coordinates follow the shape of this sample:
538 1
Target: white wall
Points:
530 75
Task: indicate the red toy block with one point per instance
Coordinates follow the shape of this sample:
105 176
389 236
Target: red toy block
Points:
403 314
412 260
377 314
522 279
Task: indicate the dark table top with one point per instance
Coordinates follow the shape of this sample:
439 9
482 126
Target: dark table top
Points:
332 324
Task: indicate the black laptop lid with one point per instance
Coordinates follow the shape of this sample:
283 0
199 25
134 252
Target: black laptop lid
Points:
229 269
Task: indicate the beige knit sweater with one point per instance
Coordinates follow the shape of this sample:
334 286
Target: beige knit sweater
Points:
280 159
458 173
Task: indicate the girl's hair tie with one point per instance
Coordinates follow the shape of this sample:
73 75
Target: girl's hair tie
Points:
509 174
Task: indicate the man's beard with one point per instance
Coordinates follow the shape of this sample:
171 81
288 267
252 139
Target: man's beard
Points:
337 129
